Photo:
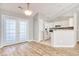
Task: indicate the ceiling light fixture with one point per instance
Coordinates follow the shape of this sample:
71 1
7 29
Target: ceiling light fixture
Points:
28 12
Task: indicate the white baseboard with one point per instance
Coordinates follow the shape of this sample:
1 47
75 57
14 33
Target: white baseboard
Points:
64 46
36 40
2 45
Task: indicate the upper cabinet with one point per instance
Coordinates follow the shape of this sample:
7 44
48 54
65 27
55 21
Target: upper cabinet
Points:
71 22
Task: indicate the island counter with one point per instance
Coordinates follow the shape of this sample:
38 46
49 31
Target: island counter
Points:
63 37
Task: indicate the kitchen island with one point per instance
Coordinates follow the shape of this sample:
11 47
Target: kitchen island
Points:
63 37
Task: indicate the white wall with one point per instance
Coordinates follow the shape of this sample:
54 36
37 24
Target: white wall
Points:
38 25
35 28
41 29
75 27
77 24
0 30
31 29
63 23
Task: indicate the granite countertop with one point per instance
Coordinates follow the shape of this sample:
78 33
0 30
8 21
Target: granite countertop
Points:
63 28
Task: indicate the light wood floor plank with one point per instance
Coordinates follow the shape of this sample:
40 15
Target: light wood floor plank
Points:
37 49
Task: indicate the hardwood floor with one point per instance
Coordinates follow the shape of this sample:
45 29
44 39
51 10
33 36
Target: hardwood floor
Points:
46 42
37 49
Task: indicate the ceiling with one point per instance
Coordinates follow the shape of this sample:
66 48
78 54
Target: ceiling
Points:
47 10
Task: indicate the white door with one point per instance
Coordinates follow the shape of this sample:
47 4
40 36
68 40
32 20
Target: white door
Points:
14 31
23 31
9 31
